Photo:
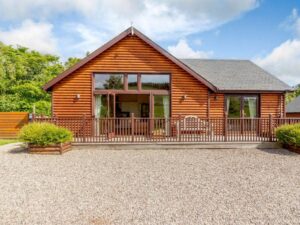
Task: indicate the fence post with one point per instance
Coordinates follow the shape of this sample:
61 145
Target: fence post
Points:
132 127
83 128
270 128
32 117
225 126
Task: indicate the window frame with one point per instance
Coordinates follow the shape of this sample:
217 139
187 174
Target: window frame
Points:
242 103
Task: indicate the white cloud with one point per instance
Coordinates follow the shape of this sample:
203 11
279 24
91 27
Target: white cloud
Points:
162 19
284 60
37 36
89 39
292 22
183 50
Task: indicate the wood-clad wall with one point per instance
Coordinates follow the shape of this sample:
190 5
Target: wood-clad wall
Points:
216 105
129 55
132 55
272 103
11 123
293 115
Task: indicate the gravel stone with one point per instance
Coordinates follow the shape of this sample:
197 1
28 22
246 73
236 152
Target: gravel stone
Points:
106 187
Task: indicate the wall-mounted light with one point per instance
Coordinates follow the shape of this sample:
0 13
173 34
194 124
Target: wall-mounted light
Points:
77 97
216 97
184 97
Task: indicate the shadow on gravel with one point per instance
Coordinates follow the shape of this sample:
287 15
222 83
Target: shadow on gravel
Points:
280 151
19 150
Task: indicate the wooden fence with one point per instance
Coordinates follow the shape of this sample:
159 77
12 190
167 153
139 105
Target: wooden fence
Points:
179 129
11 123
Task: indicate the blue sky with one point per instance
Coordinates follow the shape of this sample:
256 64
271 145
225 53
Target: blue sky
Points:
264 31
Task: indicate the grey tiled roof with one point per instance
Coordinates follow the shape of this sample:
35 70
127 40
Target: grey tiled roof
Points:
294 106
236 75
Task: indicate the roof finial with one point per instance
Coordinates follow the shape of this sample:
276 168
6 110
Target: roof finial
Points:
132 30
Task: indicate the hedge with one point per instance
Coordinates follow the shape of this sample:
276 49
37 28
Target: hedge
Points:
289 135
44 134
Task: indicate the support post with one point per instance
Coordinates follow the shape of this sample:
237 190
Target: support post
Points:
225 126
83 128
132 127
270 128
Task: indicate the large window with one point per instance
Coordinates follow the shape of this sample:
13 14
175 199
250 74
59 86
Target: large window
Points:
242 106
155 82
109 81
132 82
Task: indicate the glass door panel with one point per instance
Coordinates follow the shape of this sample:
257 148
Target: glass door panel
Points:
233 104
161 112
250 106
101 106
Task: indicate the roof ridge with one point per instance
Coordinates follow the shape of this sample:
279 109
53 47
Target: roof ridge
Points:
248 60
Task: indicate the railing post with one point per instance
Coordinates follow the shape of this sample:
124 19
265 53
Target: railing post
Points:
225 126
270 128
179 128
83 128
54 119
132 127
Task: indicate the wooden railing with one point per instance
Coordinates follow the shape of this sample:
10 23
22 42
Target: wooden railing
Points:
178 129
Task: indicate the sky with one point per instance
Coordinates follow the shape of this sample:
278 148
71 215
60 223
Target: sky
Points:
264 31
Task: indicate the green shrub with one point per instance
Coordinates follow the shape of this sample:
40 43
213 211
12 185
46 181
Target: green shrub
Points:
289 135
44 134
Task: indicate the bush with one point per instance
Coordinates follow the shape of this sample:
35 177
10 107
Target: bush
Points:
289 135
43 134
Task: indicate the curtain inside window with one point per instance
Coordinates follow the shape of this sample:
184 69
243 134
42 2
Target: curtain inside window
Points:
98 106
227 105
166 106
252 106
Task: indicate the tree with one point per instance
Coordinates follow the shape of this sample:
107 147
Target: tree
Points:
71 61
22 75
291 96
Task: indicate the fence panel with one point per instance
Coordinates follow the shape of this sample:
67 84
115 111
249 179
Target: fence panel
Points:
11 123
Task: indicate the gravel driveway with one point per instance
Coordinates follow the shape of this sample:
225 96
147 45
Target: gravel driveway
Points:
150 187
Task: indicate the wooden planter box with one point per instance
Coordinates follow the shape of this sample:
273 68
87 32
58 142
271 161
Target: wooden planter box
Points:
51 149
292 148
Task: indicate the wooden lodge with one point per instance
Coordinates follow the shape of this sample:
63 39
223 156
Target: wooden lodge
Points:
132 79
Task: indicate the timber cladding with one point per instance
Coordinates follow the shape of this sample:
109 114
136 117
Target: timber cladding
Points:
293 115
272 103
131 55
11 123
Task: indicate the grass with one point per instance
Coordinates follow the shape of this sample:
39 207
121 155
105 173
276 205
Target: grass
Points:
7 141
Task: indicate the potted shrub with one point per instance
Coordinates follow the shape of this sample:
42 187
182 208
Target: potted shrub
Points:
46 138
158 133
289 137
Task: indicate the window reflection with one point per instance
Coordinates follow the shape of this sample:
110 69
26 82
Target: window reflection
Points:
155 82
132 82
109 81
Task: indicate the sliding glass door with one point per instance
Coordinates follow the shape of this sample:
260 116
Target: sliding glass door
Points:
242 106
104 106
